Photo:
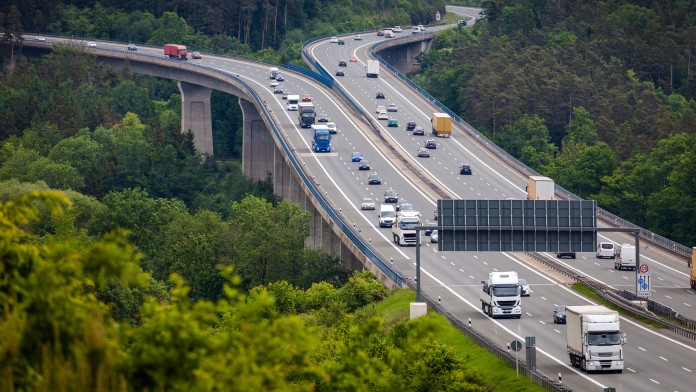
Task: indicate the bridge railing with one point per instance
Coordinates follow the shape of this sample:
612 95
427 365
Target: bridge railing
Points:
337 219
603 214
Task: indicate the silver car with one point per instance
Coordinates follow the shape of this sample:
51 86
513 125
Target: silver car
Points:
433 236
367 204
526 292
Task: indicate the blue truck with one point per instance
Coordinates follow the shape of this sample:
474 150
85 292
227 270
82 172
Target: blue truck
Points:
322 138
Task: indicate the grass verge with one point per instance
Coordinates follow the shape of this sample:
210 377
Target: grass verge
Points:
496 373
588 292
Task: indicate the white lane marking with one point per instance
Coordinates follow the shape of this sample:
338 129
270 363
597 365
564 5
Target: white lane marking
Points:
655 381
628 368
641 348
557 331
542 321
688 370
663 358
509 331
331 178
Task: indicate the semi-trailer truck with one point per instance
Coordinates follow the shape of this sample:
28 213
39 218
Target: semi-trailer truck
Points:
372 68
307 114
540 188
594 338
501 295
441 124
321 142
173 51
404 228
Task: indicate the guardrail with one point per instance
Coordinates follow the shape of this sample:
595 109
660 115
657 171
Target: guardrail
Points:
494 348
605 215
338 220
624 299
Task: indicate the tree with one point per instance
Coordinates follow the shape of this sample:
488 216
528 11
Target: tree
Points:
527 131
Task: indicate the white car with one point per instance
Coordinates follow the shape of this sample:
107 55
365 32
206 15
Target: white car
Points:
41 39
367 204
392 108
332 128
382 116
433 236
91 44
397 29
380 108
333 40
274 84
358 37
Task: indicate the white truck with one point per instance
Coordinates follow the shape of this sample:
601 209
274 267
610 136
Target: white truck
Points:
273 72
594 338
372 68
404 228
540 188
625 257
501 295
293 102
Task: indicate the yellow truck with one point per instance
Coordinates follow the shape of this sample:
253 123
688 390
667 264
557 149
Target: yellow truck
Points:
442 124
693 269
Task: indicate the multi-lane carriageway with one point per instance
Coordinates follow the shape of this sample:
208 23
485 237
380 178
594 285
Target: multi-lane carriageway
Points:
655 360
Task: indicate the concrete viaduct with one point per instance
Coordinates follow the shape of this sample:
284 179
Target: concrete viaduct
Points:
263 154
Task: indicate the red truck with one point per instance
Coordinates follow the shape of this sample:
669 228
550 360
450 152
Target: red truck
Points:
178 52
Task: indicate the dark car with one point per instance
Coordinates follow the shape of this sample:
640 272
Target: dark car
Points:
390 196
355 156
430 230
561 255
339 72
342 63
380 33
279 78
322 117
559 315
404 206
418 131
277 90
465 169
364 165
430 143
380 95
374 179
423 153
410 125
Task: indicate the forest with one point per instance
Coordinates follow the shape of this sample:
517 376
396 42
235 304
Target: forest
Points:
598 95
132 262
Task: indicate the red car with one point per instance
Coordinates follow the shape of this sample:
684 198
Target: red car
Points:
306 98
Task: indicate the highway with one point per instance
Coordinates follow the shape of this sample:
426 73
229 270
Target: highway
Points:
654 361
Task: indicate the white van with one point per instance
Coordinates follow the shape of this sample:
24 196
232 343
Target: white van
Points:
387 215
606 249
273 72
625 257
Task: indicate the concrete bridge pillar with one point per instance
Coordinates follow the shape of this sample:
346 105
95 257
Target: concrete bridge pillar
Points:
258 148
195 115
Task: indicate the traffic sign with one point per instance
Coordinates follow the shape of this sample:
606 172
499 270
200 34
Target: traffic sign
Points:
643 286
516 345
643 269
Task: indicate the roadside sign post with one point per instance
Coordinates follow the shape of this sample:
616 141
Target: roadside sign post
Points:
516 346
643 282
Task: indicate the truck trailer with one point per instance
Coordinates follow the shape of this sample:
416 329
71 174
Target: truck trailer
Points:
321 141
372 68
307 114
441 124
540 188
178 52
501 295
594 338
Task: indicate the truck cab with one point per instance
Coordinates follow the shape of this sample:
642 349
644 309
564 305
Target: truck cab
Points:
293 102
321 142
307 114
404 229
501 295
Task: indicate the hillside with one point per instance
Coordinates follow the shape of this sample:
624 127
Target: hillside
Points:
597 94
